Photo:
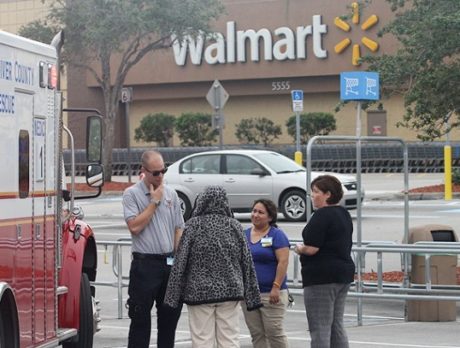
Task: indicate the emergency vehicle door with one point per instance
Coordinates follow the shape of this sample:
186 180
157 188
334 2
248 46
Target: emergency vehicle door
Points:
23 258
39 192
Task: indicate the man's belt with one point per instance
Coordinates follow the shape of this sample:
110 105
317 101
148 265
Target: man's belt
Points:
142 256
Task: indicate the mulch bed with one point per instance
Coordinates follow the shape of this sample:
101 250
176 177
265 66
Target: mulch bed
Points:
435 188
395 276
111 186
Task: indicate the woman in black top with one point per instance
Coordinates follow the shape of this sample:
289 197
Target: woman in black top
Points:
327 266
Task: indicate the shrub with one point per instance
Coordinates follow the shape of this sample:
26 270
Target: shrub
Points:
456 176
257 130
156 127
311 124
195 129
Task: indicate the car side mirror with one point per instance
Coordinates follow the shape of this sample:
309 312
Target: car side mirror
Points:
95 175
259 172
94 139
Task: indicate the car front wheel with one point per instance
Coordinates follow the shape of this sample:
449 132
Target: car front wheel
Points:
293 206
185 205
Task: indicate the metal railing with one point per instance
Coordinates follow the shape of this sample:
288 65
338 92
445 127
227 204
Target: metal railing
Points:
379 289
117 268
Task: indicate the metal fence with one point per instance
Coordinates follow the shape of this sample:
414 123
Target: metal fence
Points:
404 290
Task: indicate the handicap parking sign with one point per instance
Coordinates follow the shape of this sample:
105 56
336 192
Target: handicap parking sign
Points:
297 100
359 85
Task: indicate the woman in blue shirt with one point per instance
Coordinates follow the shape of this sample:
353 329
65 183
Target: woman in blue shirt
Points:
269 247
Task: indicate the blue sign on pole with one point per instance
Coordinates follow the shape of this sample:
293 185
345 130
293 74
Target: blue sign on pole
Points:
297 94
359 85
297 100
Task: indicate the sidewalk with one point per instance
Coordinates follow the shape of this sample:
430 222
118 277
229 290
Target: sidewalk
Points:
406 334
383 327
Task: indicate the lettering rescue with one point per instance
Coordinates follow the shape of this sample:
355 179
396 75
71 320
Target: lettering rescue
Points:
287 44
13 72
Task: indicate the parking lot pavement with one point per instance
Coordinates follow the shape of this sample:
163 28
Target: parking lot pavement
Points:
383 326
376 333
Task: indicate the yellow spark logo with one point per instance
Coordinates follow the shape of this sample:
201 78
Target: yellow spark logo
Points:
368 23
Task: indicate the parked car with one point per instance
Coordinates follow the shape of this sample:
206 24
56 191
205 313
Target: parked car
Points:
248 175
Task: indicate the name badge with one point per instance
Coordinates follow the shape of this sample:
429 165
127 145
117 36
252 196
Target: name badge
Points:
170 260
267 242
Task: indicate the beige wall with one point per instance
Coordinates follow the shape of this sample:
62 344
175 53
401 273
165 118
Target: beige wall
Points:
162 86
160 67
275 108
15 13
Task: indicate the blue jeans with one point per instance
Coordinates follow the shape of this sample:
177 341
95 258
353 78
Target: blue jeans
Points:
148 279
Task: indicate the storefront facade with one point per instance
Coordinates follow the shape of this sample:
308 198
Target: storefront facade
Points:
261 51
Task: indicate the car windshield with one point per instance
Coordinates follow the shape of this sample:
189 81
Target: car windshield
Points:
279 163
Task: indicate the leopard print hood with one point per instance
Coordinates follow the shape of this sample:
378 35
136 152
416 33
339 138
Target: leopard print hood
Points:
213 262
212 201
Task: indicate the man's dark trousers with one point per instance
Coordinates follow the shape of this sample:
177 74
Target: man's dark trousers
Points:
148 279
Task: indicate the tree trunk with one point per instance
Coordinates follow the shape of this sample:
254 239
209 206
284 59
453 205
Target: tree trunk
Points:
107 147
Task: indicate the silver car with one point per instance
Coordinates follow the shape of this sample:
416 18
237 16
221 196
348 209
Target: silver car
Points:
248 175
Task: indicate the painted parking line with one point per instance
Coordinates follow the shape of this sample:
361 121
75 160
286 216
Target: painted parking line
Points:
450 211
400 345
103 226
399 216
294 336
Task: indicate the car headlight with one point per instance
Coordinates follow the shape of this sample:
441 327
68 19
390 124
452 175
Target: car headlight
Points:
351 186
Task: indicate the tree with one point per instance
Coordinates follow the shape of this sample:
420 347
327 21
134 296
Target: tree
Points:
426 67
257 130
39 30
195 129
156 127
108 37
311 124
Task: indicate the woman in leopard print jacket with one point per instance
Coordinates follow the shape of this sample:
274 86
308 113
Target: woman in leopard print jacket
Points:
213 270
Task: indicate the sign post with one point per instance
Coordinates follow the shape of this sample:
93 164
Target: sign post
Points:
297 107
126 96
359 86
217 97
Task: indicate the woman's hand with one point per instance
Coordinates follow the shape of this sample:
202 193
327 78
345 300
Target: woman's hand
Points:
298 248
274 295
302 249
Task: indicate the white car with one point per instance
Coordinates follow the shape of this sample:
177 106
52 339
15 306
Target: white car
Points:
248 175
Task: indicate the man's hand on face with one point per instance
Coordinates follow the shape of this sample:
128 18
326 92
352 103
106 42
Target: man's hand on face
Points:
156 193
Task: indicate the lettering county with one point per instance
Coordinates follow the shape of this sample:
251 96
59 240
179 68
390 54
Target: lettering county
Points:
17 72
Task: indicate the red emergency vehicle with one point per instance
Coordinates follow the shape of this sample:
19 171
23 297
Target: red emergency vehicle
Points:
48 255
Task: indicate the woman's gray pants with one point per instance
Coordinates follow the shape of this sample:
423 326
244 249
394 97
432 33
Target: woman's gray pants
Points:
325 306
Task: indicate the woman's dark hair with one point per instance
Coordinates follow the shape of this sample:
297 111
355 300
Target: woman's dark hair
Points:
272 210
329 183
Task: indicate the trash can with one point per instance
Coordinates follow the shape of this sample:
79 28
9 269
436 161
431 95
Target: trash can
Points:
443 271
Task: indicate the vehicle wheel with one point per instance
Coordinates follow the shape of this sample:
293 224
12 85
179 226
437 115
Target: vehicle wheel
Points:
2 332
86 331
293 206
185 206
9 334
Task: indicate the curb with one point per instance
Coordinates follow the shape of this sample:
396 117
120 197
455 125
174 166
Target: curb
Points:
413 196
